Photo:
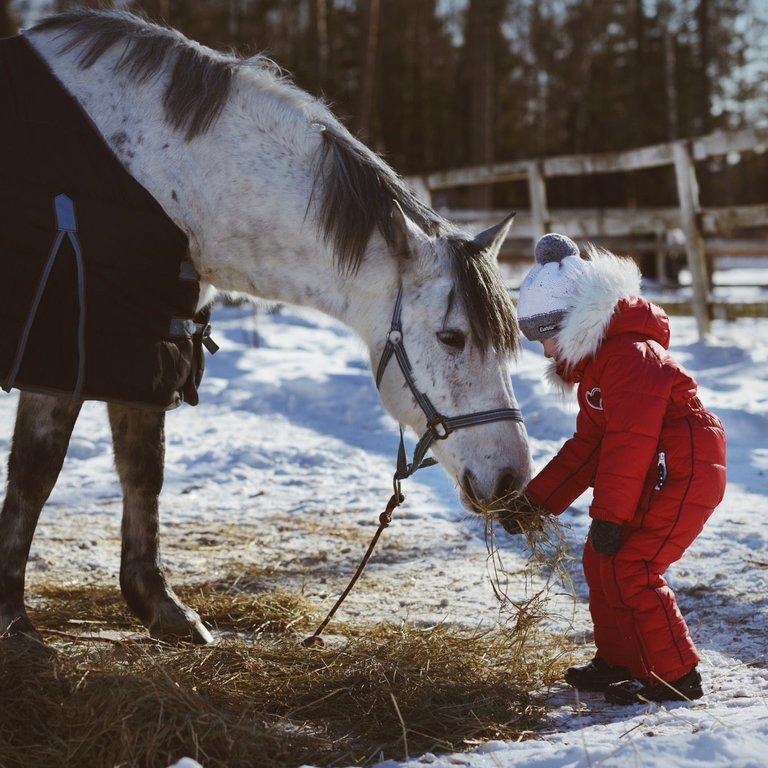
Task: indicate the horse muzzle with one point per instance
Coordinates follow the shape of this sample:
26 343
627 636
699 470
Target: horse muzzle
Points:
479 496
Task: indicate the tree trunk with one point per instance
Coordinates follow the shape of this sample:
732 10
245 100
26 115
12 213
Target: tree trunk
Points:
318 43
670 80
370 40
639 112
484 19
8 25
233 19
703 14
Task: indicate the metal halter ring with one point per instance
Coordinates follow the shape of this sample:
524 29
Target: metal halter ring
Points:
436 425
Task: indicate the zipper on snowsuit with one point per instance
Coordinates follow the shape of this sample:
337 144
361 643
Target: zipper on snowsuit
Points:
661 467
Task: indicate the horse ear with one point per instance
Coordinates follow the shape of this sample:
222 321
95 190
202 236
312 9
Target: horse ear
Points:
407 232
493 238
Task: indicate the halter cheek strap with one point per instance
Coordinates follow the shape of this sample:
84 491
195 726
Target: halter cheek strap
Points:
439 427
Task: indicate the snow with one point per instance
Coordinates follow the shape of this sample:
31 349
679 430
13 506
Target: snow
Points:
287 462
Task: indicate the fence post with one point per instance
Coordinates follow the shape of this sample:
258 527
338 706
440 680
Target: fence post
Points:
537 193
690 210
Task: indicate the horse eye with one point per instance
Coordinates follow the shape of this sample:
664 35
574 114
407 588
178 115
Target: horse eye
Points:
455 339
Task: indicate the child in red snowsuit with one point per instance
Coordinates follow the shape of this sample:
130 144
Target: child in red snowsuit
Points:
654 455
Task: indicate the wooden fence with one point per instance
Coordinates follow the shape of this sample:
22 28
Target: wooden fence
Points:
694 221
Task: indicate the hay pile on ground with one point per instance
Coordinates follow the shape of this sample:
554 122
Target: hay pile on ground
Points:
223 606
380 691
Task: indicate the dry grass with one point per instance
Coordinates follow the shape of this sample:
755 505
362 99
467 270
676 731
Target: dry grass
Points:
222 606
383 690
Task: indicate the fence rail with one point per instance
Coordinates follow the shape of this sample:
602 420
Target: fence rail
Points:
624 222
701 148
694 221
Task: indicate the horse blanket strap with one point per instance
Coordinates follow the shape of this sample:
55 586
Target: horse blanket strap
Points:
439 427
66 226
91 291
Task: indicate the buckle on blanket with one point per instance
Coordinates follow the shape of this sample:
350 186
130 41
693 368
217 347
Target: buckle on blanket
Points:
208 342
182 327
64 209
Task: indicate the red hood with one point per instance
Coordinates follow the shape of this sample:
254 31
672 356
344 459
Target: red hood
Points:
633 315
636 315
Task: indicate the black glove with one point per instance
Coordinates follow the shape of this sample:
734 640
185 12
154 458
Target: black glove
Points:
605 537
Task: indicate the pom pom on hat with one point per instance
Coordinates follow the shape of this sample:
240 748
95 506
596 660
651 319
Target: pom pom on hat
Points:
553 248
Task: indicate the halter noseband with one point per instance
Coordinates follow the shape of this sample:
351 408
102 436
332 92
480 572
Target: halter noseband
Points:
439 427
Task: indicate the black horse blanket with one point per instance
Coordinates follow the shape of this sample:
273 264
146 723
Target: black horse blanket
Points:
97 296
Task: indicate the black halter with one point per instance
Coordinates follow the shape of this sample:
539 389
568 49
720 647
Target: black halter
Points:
439 427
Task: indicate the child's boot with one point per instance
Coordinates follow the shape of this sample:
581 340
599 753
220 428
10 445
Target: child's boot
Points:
685 688
595 675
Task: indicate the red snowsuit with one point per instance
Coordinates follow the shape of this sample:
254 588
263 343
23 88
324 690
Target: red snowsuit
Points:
639 419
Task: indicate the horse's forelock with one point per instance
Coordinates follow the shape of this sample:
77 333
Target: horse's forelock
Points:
486 299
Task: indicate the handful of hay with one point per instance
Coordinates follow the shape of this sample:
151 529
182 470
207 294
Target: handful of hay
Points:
547 562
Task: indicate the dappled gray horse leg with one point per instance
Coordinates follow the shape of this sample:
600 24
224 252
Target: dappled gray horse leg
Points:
139 440
43 427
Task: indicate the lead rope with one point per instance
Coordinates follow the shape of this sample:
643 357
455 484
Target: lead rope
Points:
403 471
385 518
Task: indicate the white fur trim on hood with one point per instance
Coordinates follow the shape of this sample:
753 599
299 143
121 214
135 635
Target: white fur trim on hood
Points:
603 283
554 381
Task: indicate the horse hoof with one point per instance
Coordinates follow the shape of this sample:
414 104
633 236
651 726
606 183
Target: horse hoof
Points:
181 628
194 634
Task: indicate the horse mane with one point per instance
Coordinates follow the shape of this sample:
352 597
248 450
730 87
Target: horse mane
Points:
357 188
201 78
358 191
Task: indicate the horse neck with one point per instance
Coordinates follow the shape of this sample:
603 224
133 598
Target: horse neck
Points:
239 191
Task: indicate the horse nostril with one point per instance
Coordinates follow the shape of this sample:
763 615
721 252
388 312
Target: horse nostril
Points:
508 482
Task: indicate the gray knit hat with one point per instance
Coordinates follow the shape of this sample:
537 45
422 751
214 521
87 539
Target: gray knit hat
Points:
547 292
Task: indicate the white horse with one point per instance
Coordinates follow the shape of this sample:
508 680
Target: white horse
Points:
280 202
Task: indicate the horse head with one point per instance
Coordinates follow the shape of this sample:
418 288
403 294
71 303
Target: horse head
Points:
457 328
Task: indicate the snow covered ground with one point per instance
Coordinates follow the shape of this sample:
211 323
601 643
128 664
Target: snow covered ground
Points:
285 466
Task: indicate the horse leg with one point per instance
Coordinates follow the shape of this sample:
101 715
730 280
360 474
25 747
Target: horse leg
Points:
139 442
44 425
